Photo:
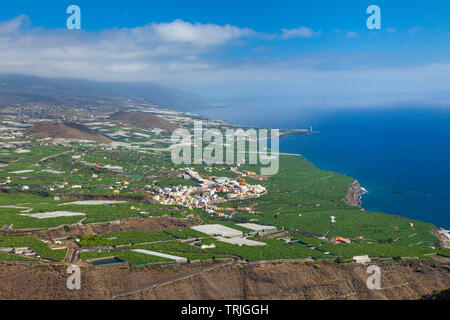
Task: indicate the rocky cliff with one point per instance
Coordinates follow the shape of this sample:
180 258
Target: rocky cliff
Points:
264 280
354 194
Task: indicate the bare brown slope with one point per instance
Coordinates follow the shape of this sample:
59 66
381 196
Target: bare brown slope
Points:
298 281
143 120
273 280
52 129
131 224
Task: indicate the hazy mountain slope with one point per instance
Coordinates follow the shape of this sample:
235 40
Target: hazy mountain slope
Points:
143 120
19 89
50 129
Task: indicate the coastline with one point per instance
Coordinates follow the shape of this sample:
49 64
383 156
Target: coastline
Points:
288 132
354 194
355 191
445 242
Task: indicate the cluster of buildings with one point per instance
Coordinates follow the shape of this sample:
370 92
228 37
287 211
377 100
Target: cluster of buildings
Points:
208 192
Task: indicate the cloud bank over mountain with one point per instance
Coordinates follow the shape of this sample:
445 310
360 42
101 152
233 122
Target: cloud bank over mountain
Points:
221 61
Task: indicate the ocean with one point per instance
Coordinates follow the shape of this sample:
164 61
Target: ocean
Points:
401 156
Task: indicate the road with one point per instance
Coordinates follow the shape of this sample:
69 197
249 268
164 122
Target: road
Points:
74 255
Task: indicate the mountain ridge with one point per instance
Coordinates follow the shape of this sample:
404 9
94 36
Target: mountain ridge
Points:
23 89
143 120
66 130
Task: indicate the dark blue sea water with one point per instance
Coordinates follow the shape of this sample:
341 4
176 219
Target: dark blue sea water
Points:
400 155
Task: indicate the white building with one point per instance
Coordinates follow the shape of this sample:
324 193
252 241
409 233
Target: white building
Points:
257 227
362 259
241 241
205 246
218 230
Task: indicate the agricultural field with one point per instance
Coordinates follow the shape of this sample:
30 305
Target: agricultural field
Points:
16 209
373 249
46 185
36 245
127 238
10 257
274 249
301 197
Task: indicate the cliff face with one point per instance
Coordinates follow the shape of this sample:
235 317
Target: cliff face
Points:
269 280
143 120
53 129
293 281
354 194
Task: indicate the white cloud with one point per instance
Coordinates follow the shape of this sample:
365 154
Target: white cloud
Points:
301 32
14 25
183 55
351 34
142 53
347 87
200 34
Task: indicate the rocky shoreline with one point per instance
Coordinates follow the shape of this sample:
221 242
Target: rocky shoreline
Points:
354 194
445 243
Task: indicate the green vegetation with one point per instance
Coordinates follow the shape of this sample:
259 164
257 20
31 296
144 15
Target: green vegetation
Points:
185 234
303 197
125 238
10 257
94 213
274 249
372 249
299 198
36 245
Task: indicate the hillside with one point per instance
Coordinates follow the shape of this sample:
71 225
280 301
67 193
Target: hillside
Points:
51 129
23 90
442 295
293 280
143 120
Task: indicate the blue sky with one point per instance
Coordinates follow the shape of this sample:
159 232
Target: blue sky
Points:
267 16
229 50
